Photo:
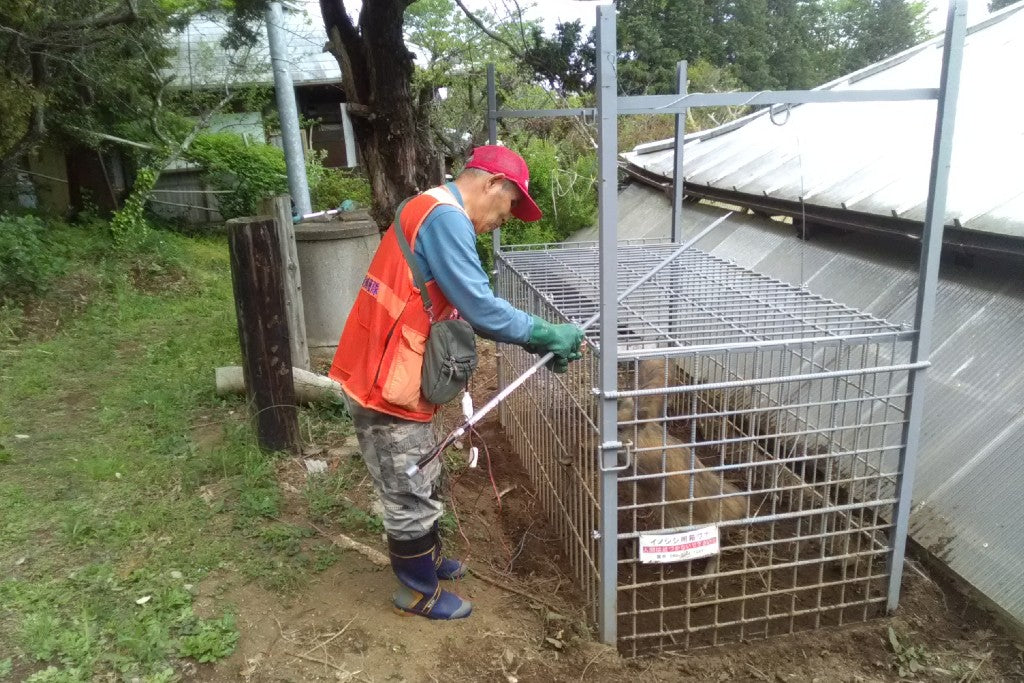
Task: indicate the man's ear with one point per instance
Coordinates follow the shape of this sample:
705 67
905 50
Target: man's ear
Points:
496 181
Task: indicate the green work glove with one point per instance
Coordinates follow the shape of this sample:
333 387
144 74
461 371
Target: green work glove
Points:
562 340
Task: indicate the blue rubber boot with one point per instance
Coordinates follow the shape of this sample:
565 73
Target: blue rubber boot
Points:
418 591
446 568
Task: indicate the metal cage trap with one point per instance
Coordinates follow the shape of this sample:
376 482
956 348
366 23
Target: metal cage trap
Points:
746 405
734 457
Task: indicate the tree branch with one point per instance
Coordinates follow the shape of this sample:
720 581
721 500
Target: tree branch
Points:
335 16
113 138
517 52
101 20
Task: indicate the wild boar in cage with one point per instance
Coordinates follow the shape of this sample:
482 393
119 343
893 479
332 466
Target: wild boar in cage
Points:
670 487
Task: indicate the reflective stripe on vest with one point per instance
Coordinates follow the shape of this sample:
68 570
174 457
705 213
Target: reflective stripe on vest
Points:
380 355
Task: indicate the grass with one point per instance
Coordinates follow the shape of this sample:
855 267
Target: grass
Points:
123 480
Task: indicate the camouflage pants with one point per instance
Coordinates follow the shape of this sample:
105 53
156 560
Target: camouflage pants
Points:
389 445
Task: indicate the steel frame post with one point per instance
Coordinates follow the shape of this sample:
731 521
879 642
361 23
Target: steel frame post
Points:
677 167
291 135
492 139
928 275
607 106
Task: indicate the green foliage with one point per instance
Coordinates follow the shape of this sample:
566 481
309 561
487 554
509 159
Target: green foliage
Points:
27 264
52 674
212 640
562 181
250 171
128 227
329 187
565 61
763 44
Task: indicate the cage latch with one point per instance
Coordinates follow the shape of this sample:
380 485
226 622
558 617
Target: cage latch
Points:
619 447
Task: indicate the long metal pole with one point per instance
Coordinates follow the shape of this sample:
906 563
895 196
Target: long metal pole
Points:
492 139
677 167
287 112
607 131
931 251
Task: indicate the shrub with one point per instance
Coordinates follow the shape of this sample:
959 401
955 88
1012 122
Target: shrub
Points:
27 264
563 183
250 171
329 187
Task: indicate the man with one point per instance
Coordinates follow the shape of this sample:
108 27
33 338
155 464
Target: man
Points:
380 355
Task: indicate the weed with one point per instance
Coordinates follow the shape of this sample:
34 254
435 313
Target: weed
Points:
325 421
454 460
324 494
909 660
211 640
283 538
448 524
52 674
324 557
355 519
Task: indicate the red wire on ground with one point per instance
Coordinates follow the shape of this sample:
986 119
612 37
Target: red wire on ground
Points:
497 496
490 472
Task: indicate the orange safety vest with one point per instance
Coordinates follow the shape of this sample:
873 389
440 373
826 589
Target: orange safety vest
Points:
380 355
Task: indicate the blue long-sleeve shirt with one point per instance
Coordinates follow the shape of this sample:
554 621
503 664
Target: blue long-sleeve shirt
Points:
445 251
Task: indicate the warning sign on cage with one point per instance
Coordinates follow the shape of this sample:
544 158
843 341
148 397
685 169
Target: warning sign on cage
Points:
681 547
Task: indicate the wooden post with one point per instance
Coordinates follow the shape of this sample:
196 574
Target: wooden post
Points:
263 331
280 207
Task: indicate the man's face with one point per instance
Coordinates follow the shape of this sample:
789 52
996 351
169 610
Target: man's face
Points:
500 196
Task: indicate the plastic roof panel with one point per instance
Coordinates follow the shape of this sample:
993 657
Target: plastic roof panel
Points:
875 157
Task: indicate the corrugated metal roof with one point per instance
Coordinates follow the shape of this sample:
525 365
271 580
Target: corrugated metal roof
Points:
969 488
201 61
875 157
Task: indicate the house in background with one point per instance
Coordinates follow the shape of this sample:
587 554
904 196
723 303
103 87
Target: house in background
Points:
81 178
852 179
202 63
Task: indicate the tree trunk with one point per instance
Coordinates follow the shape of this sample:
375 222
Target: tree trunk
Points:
391 126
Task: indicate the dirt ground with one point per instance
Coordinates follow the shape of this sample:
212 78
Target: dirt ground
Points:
341 626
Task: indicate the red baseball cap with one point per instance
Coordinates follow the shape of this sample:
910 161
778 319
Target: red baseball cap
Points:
498 159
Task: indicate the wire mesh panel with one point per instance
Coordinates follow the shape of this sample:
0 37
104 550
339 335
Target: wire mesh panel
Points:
750 410
551 426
